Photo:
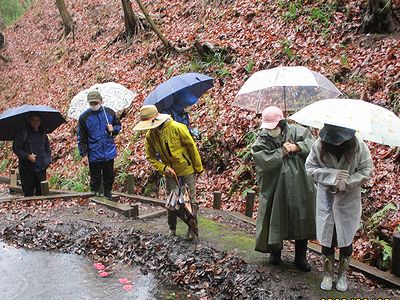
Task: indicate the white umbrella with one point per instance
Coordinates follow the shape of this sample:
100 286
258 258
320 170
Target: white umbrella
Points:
372 122
289 88
115 96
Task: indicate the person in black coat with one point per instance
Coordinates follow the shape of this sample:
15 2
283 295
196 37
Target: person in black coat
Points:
33 150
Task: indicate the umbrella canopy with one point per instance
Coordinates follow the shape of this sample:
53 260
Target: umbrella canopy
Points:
179 201
289 88
372 122
13 120
115 96
188 85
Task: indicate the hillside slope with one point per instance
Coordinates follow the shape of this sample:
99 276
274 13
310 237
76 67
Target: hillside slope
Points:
255 35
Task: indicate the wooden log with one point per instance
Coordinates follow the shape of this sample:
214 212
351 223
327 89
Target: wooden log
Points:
44 186
5 179
13 178
122 208
52 197
154 214
250 196
142 199
396 254
130 184
217 200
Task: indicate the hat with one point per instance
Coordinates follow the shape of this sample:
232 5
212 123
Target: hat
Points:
271 117
150 118
94 96
336 135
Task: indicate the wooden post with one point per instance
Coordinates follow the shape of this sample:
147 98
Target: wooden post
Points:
396 254
250 196
134 213
217 200
44 186
130 184
13 178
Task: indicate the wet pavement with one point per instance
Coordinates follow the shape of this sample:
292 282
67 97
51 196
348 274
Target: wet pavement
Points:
26 274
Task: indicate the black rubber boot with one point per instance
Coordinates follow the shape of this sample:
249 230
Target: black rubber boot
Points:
300 259
107 194
275 257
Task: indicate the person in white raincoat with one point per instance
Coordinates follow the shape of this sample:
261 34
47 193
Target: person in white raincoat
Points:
339 162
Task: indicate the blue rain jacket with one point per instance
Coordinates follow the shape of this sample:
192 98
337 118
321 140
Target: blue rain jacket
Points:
93 138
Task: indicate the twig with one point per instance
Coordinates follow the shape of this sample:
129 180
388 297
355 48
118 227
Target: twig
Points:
91 221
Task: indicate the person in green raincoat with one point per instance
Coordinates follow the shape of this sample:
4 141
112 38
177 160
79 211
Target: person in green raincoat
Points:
286 208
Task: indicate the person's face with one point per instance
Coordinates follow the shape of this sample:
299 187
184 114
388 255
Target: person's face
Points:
95 105
34 122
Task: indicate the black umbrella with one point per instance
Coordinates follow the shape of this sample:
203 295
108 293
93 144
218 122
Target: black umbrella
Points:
13 120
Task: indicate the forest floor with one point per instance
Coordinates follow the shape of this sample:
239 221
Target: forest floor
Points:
222 264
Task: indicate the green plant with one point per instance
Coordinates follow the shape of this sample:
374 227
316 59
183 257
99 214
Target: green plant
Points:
384 261
294 10
286 49
170 70
76 156
379 215
344 59
3 165
249 67
12 10
121 166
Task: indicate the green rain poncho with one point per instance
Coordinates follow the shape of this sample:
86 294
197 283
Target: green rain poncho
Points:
287 195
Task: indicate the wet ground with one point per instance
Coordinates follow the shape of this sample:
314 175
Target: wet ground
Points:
27 274
222 265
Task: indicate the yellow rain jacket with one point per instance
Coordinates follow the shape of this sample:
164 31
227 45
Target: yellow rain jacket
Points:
175 147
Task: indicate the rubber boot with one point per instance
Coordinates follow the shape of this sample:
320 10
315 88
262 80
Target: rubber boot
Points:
341 284
300 259
327 281
275 257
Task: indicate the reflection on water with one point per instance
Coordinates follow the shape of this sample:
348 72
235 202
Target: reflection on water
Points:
44 275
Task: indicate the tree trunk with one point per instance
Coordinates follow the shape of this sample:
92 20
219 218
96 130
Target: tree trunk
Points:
66 18
132 23
378 18
153 26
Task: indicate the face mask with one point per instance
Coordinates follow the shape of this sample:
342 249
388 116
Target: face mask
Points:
274 132
95 107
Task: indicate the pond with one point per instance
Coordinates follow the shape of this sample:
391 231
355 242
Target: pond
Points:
26 274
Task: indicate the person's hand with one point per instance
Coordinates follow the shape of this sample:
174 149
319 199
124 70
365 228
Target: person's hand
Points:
342 186
110 128
85 160
288 148
170 172
342 175
32 157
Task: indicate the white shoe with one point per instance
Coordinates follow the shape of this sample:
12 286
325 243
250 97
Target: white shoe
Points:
327 281
341 284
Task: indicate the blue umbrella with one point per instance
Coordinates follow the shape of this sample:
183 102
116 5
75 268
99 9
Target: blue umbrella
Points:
178 87
13 120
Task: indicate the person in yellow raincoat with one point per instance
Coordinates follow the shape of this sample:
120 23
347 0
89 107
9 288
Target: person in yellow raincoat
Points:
171 150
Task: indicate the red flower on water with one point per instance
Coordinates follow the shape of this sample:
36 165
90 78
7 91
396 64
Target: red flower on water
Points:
99 266
128 287
124 280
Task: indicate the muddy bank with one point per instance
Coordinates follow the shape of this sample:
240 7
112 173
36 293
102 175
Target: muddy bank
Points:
203 269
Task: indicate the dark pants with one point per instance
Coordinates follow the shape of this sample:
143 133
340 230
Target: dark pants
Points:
99 169
30 181
171 184
344 251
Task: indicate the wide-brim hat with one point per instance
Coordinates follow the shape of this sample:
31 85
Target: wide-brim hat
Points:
336 135
150 118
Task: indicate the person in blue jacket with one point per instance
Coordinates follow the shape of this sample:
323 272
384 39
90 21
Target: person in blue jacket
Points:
32 147
97 127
